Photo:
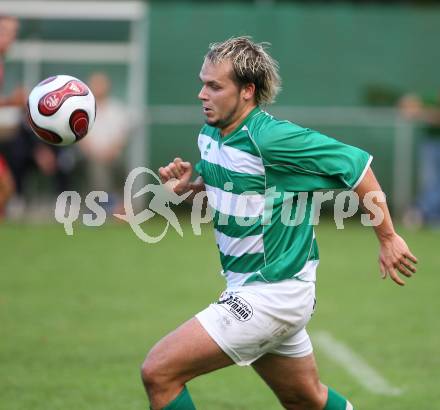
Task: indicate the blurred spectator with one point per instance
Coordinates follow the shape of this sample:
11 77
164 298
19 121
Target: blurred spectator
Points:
6 186
426 209
23 152
8 34
27 154
29 157
104 145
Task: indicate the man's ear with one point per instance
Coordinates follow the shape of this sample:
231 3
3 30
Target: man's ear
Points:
248 91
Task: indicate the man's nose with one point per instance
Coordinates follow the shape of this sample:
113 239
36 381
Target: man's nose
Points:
202 94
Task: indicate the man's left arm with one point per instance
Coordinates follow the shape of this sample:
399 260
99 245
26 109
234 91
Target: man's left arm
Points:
394 252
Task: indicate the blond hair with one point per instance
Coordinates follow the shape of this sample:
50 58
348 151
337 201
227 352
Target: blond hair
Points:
251 64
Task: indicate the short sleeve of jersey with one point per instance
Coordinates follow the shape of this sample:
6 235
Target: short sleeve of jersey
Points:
330 163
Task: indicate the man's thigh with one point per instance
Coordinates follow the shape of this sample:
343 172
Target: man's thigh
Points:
185 353
294 380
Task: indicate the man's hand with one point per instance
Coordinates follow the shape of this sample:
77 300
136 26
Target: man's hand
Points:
394 252
179 170
395 256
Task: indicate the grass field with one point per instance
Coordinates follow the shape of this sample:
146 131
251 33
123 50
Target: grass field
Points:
78 314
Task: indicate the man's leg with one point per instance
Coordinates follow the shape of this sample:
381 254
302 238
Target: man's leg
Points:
295 382
179 357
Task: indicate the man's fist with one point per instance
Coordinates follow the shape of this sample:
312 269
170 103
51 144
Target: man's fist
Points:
179 170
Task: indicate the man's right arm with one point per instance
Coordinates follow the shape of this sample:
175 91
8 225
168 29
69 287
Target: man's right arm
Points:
177 175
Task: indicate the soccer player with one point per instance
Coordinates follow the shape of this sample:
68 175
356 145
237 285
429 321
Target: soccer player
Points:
269 265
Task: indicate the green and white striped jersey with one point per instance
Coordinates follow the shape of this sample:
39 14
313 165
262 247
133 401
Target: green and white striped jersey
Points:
250 173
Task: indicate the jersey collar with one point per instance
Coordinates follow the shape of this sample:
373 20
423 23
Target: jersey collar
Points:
251 114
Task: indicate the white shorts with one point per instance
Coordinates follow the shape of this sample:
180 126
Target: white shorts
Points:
250 321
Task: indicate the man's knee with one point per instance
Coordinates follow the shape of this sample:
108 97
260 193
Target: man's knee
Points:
307 399
161 385
296 403
155 373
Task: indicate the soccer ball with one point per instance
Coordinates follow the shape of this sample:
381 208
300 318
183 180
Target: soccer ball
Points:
61 110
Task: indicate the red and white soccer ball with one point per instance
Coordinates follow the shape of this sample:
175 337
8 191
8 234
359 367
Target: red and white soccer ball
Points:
61 110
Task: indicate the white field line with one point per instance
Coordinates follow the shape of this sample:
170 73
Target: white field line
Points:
355 365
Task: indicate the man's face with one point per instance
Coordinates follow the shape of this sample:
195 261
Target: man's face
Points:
221 97
8 32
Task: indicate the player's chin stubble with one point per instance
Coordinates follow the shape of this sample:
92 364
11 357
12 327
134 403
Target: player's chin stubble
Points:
222 122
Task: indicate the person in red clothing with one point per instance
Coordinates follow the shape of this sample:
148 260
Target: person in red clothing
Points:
6 186
8 33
